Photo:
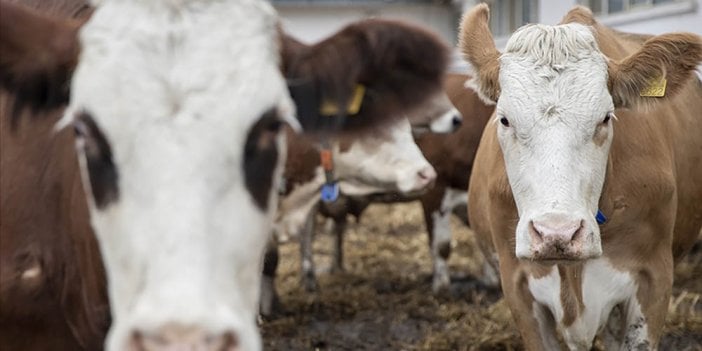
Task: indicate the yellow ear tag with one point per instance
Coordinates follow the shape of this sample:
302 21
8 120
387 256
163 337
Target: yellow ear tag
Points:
329 108
656 88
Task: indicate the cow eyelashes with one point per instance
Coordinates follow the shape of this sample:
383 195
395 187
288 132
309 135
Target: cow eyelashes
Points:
608 117
97 154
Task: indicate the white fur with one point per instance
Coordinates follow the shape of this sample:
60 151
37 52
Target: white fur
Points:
555 96
387 163
442 236
175 87
603 287
445 123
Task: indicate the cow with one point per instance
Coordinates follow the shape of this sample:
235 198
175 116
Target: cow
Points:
451 155
389 161
587 183
173 128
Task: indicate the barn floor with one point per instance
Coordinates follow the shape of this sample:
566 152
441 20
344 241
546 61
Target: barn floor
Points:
383 300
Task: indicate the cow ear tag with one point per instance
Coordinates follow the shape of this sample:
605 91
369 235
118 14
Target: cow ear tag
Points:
655 88
330 192
329 108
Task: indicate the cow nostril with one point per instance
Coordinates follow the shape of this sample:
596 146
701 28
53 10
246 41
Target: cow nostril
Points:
558 230
428 174
535 233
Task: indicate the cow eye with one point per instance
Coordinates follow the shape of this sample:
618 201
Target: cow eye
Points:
504 121
608 116
95 149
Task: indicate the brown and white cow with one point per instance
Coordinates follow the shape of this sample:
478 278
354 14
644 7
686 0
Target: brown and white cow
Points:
557 156
176 108
387 161
451 155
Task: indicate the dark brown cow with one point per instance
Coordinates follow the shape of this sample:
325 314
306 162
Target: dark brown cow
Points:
171 285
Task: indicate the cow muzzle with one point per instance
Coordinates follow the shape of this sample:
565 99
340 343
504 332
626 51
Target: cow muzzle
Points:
174 337
557 237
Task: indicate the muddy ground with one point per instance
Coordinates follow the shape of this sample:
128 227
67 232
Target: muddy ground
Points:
383 300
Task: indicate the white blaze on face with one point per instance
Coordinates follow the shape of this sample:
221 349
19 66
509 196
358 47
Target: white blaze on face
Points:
391 163
554 131
176 88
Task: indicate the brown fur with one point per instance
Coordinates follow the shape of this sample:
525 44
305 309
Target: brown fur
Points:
400 65
651 194
673 56
479 50
302 161
40 51
45 225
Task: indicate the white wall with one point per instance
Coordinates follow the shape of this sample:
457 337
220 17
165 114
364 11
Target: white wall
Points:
312 23
680 16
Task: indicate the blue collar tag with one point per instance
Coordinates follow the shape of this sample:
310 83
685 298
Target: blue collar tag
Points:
600 217
330 192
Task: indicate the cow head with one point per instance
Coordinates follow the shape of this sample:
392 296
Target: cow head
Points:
381 162
177 108
389 162
556 94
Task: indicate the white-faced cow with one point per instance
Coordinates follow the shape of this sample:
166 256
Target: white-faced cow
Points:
388 161
450 154
588 183
176 108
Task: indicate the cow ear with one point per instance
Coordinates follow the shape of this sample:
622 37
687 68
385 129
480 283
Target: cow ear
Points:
662 66
478 48
371 71
39 54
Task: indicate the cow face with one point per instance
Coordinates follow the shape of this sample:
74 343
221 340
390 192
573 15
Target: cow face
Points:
556 94
554 125
169 187
177 109
385 163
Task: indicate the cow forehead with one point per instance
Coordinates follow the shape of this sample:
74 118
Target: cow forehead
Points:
553 70
179 65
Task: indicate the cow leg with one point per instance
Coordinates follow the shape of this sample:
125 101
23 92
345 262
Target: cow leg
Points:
339 229
309 281
439 230
269 296
645 318
612 333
